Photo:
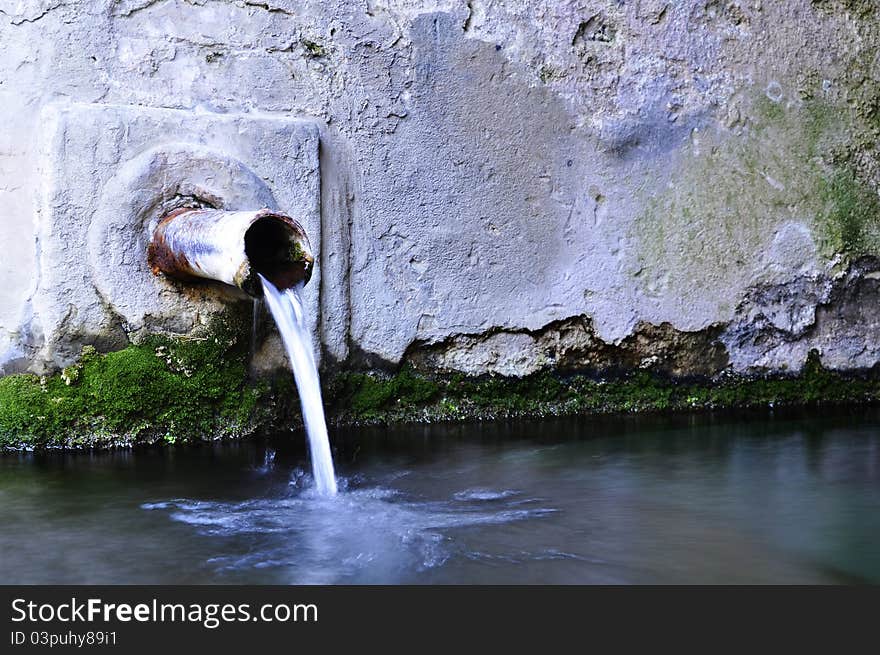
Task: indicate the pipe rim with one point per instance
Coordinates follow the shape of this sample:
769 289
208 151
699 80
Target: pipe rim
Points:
279 250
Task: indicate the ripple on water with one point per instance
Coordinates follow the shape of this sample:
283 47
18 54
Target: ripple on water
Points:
484 494
365 533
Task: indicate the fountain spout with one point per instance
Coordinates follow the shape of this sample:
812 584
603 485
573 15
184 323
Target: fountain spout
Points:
232 247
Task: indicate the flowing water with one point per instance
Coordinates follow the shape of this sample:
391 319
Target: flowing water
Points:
287 309
771 498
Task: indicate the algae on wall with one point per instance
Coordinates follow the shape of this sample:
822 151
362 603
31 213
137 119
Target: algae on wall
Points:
188 392
408 396
797 145
729 192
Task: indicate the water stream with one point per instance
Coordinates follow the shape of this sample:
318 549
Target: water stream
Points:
287 309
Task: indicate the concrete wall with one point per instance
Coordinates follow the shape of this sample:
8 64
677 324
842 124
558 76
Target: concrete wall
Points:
504 186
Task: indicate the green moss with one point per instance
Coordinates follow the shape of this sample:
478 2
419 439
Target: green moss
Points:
407 396
313 49
817 121
296 252
768 110
170 389
369 394
547 73
860 8
176 391
851 215
728 194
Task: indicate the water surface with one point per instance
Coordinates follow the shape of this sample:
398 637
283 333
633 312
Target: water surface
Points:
688 499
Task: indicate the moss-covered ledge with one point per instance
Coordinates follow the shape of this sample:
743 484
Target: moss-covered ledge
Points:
165 389
365 398
185 390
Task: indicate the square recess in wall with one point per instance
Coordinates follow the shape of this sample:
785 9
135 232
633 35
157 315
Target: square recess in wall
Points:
107 172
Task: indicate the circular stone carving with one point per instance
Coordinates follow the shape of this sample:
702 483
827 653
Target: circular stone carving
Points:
143 190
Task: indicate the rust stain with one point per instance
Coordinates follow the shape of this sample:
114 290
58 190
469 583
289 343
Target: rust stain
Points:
176 246
161 258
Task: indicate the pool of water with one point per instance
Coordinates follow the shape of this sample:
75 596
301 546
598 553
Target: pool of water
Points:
686 499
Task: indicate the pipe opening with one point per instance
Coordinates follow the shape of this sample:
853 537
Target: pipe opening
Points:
232 247
274 251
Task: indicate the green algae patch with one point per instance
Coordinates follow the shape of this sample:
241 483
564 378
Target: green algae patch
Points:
174 391
372 395
729 191
165 389
852 214
313 49
410 397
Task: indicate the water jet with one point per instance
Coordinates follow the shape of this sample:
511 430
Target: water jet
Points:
259 252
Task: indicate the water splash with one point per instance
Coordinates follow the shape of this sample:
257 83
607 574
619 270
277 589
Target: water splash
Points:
371 534
287 310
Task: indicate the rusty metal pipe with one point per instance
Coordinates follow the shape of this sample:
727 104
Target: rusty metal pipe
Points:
232 247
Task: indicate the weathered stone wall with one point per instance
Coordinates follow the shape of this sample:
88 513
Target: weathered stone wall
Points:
689 186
